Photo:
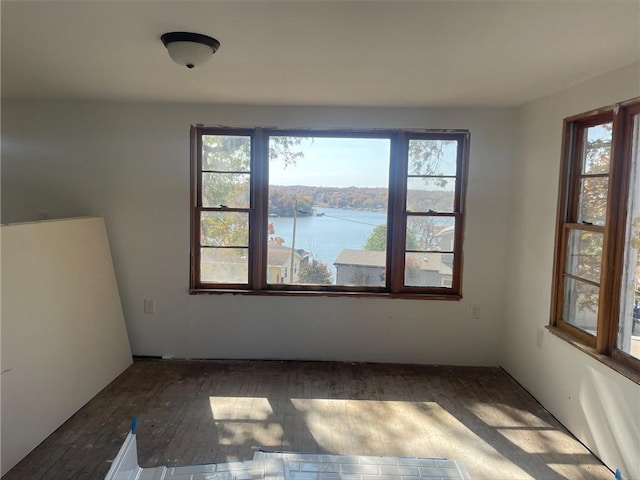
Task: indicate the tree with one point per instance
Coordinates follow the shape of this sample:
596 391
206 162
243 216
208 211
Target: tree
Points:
425 158
315 272
421 234
377 240
283 201
229 156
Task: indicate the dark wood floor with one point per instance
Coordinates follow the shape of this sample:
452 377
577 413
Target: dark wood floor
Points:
208 411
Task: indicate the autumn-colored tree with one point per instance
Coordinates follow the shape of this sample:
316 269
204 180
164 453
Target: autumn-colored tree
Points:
283 202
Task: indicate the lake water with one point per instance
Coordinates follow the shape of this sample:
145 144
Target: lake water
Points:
325 236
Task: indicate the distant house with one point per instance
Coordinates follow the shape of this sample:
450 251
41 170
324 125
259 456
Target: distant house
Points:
364 267
428 269
360 267
279 263
445 239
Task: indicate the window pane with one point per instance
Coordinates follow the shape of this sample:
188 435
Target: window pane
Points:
430 233
581 305
433 157
224 265
426 270
431 194
593 200
327 210
584 254
222 229
629 322
228 189
597 149
226 153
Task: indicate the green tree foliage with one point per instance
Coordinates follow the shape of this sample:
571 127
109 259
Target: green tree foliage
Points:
377 240
222 229
315 272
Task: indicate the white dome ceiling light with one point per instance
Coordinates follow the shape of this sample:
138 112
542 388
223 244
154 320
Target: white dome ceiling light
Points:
190 49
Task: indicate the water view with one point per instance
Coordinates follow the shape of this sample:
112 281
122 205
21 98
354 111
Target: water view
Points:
330 230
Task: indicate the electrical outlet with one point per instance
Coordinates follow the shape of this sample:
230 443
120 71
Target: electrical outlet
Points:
475 311
539 337
150 306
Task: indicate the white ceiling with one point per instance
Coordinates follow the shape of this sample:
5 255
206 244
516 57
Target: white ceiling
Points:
305 52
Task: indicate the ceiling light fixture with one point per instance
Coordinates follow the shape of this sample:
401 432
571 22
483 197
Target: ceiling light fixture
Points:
189 49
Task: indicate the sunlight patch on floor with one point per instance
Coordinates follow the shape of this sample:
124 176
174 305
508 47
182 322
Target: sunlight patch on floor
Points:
381 427
240 408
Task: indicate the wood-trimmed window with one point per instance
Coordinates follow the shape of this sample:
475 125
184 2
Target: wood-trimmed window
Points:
314 211
596 292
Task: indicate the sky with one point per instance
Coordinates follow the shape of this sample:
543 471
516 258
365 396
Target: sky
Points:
336 162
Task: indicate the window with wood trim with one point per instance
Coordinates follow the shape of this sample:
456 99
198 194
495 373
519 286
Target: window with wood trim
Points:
370 212
596 294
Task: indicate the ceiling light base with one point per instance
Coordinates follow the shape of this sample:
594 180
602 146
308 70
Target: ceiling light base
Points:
189 49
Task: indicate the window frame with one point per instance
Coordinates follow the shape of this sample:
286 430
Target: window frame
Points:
396 213
602 345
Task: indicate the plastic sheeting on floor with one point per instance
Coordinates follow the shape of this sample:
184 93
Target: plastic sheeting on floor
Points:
288 466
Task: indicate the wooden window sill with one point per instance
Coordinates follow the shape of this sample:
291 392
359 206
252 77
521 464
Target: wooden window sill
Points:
316 293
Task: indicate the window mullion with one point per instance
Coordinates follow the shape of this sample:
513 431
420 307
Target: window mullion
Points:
461 189
615 232
196 202
258 214
574 171
397 214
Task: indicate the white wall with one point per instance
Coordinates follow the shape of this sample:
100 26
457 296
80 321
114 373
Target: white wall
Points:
600 407
130 164
63 332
